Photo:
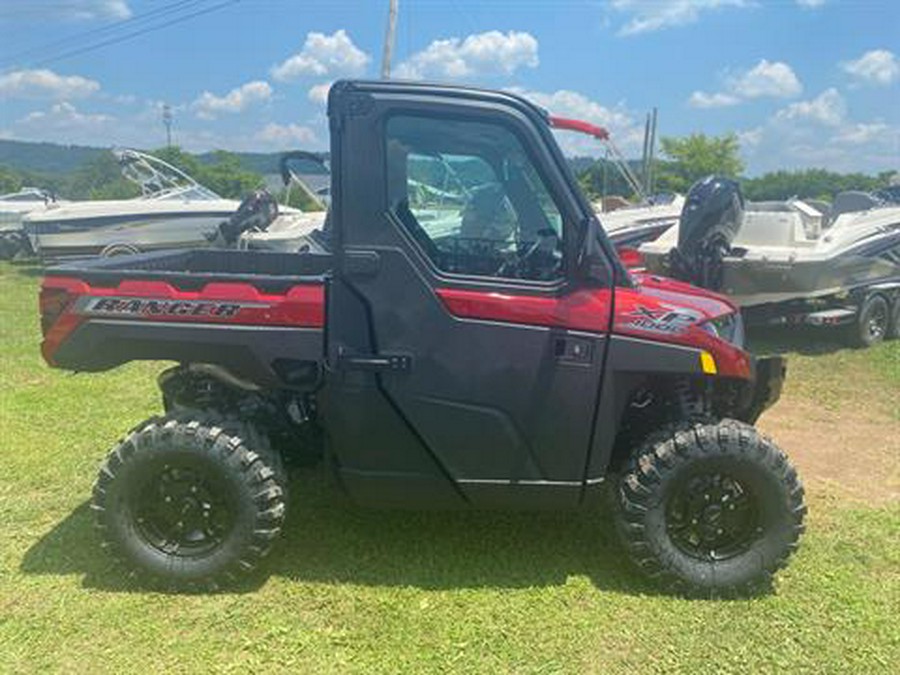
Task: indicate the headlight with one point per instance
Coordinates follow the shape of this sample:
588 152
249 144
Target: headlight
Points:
728 327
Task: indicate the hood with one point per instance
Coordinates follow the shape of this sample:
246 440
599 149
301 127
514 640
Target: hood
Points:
664 310
708 304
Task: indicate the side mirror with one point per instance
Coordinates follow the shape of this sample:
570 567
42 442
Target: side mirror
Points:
593 267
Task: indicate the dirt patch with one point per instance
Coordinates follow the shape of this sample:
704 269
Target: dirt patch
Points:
852 448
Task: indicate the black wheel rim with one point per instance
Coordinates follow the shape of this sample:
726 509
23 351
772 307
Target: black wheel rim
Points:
183 510
713 516
876 326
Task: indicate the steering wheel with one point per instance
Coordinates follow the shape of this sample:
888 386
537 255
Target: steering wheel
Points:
517 265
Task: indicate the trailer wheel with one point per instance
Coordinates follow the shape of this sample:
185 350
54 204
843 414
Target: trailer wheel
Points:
872 323
710 509
893 330
190 502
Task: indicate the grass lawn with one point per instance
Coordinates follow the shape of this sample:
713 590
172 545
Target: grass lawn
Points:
348 590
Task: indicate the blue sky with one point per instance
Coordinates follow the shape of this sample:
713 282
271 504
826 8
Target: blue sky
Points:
802 82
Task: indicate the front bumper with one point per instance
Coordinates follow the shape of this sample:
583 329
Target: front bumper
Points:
764 388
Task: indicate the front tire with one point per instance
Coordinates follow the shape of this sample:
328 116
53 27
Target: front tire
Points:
192 502
710 509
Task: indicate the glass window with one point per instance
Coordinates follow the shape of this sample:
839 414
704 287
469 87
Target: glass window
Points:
470 196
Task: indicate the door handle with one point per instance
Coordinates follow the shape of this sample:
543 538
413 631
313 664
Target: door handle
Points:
573 350
376 363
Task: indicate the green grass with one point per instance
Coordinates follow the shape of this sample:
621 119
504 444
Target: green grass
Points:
357 591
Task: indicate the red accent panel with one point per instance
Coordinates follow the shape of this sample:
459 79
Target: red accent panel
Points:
579 126
301 306
586 310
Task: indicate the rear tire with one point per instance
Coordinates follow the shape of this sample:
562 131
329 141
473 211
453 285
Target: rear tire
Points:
893 331
710 509
193 501
872 323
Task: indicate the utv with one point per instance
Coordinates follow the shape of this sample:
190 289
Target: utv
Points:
465 337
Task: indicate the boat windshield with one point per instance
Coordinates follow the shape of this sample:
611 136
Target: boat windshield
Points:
159 180
28 194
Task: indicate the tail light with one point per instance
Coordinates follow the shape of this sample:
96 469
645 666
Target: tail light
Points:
53 302
631 257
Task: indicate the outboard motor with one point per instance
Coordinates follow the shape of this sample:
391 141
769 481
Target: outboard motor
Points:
256 212
710 220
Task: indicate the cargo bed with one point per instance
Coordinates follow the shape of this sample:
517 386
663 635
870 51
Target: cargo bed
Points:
260 315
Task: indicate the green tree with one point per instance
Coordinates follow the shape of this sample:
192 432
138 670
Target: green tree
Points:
223 174
809 184
690 158
226 177
10 180
100 178
603 178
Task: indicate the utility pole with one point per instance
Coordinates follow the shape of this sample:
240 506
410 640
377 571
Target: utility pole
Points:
167 120
651 178
389 41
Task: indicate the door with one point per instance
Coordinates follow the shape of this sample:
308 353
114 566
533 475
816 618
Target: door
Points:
465 363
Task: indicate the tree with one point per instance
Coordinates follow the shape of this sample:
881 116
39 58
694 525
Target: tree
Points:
693 157
809 184
100 178
10 180
222 175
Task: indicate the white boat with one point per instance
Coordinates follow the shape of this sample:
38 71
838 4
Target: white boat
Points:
773 254
266 226
631 225
13 207
173 211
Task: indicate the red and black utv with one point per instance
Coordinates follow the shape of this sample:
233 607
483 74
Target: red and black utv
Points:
464 337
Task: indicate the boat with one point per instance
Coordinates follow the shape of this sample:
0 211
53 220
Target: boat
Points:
263 225
173 211
13 207
632 224
784 257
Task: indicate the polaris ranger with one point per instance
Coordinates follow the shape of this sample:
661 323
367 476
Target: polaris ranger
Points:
473 343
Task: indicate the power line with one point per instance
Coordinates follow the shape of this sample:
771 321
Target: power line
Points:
159 12
133 34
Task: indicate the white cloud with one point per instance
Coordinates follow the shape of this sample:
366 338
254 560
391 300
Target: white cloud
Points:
767 79
879 67
860 134
45 84
700 99
91 9
477 55
208 105
318 93
810 4
820 133
828 108
750 138
64 118
567 103
652 15
332 55
286 136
